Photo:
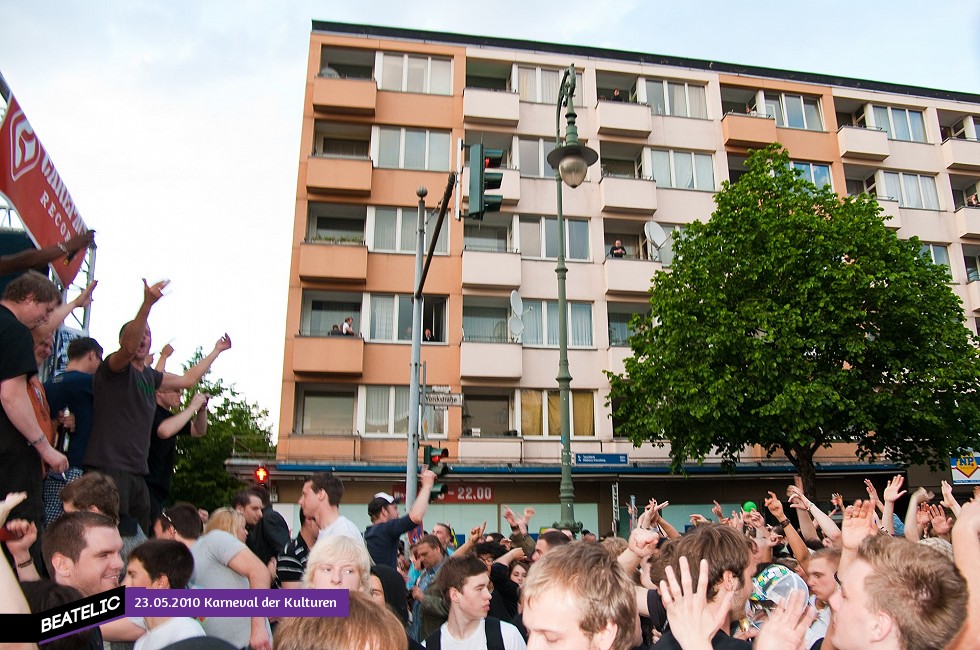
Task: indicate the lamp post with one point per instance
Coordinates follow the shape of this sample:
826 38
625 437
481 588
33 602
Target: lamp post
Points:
572 162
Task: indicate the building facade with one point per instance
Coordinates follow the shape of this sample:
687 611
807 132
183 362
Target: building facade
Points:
384 112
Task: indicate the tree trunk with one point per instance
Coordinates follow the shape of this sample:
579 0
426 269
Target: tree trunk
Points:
803 461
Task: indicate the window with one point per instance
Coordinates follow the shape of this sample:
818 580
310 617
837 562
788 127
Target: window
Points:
622 168
900 123
620 316
676 98
489 414
541 413
936 253
540 85
794 111
416 74
325 411
335 223
322 310
816 173
341 140
912 190
541 323
413 149
391 317
486 236
485 323
395 230
539 238
534 157
387 409
683 170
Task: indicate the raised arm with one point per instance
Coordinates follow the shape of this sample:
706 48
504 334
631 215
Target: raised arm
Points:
800 551
893 492
12 599
198 370
821 518
426 481
134 332
858 523
60 313
948 500
966 555
914 521
172 425
31 258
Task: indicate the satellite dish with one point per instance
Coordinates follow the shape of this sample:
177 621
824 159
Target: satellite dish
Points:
655 233
516 304
516 325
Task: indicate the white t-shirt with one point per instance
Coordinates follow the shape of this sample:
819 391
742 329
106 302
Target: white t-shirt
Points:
342 526
478 640
174 630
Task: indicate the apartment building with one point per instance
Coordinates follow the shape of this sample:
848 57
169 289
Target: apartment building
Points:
384 111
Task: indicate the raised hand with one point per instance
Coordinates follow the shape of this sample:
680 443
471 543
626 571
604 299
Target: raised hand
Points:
223 343
775 506
872 492
691 622
893 491
941 525
151 294
858 523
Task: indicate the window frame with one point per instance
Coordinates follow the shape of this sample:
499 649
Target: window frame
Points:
433 306
903 199
402 142
546 310
782 120
578 100
304 391
890 128
401 247
672 166
808 173
404 81
665 88
543 230
546 424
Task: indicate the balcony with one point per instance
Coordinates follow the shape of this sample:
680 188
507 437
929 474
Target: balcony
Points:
624 118
636 195
748 130
342 355
491 360
489 269
962 155
629 276
973 293
891 212
351 96
331 261
859 142
617 358
968 222
335 175
510 185
491 106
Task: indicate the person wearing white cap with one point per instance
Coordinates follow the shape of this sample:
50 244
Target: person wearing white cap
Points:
381 537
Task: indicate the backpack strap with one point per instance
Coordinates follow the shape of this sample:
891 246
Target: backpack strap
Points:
495 639
434 640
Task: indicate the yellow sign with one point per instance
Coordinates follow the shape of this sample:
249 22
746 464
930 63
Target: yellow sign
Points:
963 468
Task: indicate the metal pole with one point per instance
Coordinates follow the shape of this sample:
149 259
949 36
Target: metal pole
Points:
414 396
566 491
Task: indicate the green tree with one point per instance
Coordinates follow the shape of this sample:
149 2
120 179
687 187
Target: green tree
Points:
234 425
794 319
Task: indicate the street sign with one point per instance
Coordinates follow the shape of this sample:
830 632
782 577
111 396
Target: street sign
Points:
602 459
443 399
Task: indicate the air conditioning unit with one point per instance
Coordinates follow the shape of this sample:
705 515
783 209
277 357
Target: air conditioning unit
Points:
474 433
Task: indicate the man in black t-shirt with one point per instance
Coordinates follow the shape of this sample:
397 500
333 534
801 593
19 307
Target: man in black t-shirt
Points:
24 448
168 423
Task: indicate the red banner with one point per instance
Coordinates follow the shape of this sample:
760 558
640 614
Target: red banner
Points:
31 183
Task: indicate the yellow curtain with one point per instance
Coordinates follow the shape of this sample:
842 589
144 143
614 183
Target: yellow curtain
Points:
531 412
583 414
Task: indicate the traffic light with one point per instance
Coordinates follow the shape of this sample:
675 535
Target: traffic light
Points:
481 180
435 461
261 475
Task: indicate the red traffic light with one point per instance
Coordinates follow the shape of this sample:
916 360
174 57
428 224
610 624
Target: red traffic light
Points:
436 454
261 474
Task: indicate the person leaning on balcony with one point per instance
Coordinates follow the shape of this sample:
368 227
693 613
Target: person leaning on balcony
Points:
347 329
617 250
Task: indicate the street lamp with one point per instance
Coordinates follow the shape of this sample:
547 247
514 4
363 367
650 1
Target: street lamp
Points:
572 161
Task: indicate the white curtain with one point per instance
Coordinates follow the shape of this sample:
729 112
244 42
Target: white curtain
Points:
376 419
532 317
481 324
385 220
698 103
526 84
549 86
382 317
580 325
401 409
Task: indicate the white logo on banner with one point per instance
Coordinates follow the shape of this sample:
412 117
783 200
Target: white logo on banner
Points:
25 150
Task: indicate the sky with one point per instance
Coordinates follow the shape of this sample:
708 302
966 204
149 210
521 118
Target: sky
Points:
176 124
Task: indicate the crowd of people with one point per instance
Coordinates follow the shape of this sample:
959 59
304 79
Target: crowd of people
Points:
86 460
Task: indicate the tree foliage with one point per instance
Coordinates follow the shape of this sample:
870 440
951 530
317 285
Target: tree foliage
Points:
794 319
234 424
